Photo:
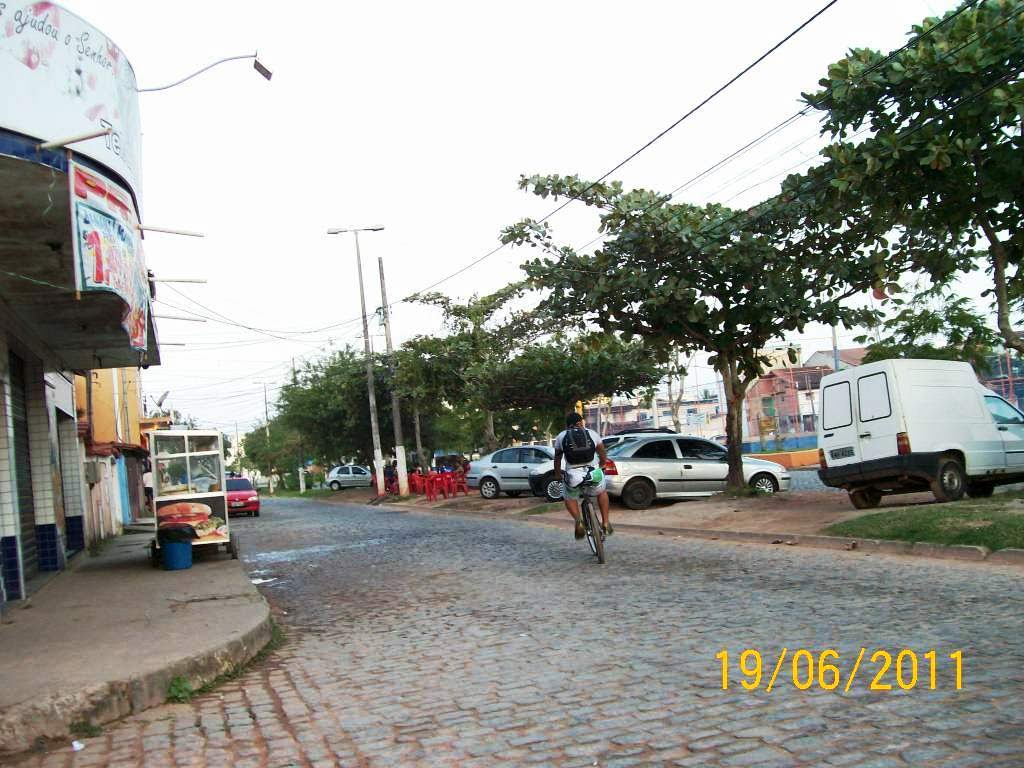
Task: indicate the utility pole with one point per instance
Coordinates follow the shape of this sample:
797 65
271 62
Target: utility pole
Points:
396 411
266 429
378 457
835 350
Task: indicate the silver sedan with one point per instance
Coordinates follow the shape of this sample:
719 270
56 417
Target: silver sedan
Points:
663 467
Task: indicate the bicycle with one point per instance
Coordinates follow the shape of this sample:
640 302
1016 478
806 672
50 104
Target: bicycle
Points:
591 519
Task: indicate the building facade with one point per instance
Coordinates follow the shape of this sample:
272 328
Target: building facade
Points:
73 280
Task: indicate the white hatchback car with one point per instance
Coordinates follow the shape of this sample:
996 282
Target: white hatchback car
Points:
349 476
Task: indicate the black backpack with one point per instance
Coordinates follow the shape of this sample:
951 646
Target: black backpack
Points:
578 446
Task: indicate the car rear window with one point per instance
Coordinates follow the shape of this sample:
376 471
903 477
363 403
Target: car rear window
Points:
239 484
836 408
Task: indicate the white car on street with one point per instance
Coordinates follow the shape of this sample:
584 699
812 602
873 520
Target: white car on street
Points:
349 476
508 470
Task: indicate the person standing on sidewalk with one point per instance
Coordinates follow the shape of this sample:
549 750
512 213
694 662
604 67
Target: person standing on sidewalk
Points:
147 487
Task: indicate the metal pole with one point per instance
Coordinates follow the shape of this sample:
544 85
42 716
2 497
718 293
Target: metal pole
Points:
378 457
835 350
396 408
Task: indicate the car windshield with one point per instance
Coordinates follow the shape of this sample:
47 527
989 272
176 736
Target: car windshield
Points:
239 484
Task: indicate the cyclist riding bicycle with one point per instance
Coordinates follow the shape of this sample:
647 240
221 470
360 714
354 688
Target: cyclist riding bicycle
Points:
580 447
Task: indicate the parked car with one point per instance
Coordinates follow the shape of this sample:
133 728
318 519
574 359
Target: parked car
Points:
899 426
349 476
242 497
542 478
507 470
678 467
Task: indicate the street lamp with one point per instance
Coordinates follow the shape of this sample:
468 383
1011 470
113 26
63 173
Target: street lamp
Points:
267 74
378 456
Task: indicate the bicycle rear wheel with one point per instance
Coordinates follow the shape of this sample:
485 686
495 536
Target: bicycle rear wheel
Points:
595 534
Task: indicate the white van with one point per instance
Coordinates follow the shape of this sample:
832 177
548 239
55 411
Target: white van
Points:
899 426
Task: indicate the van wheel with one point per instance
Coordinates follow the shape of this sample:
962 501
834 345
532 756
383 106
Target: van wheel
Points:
866 498
980 490
950 482
638 494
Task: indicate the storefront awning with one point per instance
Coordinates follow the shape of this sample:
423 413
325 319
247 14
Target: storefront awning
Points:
38 285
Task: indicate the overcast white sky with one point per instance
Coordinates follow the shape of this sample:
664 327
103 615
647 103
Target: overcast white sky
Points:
421 117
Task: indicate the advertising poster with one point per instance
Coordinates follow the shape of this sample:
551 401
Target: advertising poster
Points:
108 249
62 77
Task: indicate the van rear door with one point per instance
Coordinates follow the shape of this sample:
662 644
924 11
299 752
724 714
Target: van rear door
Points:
838 433
877 421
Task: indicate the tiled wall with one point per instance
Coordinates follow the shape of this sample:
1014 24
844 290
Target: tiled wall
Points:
51 547
12 575
39 445
8 512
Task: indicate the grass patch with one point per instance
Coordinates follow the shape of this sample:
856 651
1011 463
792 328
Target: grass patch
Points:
311 493
180 690
995 523
541 509
83 729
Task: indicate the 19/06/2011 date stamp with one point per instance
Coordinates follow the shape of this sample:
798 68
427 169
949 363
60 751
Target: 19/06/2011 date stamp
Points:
905 670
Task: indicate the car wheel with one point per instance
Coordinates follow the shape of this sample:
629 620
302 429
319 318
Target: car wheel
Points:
257 513
335 485
552 488
866 498
764 483
489 488
513 494
980 490
638 494
950 482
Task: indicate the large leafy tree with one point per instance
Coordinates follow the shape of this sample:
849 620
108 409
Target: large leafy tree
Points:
428 374
273 448
552 377
938 324
701 277
326 404
485 331
941 163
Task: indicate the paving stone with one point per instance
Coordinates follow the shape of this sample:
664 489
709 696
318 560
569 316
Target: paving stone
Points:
444 641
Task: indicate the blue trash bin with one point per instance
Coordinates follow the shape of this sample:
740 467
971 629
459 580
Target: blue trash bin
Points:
177 555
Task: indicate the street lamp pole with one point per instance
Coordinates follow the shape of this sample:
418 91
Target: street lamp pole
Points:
378 456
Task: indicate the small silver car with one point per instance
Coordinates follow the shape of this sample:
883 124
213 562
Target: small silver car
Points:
349 476
507 470
666 467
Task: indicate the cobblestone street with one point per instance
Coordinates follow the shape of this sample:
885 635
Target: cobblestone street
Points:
418 640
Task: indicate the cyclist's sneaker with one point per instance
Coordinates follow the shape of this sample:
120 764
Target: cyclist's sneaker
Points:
608 530
580 531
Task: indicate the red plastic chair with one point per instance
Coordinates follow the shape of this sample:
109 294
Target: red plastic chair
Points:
416 483
436 484
459 484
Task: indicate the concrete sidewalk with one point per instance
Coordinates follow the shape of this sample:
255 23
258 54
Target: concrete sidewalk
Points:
104 639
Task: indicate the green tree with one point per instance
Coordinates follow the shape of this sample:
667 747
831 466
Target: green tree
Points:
486 332
937 324
942 162
429 377
272 448
551 378
700 278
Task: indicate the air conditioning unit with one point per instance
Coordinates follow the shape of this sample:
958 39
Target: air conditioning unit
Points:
93 472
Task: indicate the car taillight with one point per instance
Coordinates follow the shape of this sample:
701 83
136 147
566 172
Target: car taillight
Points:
821 458
902 443
610 468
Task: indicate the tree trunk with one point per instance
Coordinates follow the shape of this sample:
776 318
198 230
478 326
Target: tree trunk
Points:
490 439
420 455
999 258
734 392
